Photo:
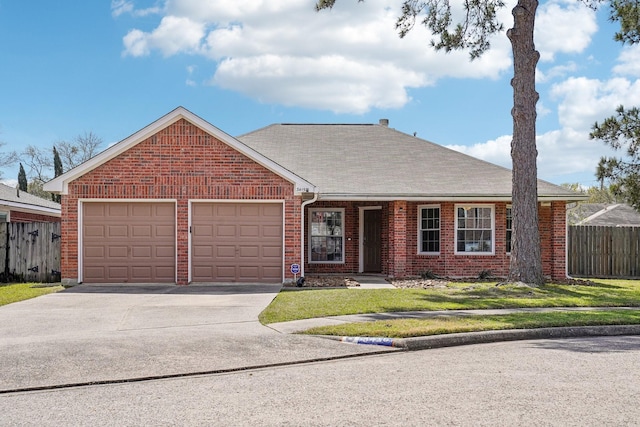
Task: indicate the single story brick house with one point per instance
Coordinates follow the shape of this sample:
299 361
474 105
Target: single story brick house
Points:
180 201
19 206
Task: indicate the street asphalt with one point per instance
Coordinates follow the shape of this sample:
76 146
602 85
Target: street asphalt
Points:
560 382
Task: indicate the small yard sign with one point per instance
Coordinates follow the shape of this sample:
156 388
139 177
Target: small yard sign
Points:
295 268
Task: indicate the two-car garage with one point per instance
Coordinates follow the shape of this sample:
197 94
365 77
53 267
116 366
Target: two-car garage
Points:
136 242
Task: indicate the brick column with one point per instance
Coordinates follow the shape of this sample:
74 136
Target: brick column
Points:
69 242
559 240
398 238
182 250
292 235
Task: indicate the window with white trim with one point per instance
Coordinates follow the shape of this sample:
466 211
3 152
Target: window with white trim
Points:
4 216
474 229
429 229
326 238
509 228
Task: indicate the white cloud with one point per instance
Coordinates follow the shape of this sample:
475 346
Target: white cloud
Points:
585 101
629 61
497 151
136 44
558 71
190 71
119 7
348 59
542 110
562 154
563 26
302 82
173 35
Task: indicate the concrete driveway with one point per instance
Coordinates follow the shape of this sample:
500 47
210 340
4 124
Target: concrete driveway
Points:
93 333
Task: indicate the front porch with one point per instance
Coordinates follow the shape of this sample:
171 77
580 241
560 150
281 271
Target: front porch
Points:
406 238
357 237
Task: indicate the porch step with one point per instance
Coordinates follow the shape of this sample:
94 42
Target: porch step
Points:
371 282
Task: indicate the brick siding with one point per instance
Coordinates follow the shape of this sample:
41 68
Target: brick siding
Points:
17 216
182 163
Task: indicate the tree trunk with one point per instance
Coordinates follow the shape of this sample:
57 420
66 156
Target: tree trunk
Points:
526 259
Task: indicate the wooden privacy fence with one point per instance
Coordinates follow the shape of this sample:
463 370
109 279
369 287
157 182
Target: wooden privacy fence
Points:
30 252
597 251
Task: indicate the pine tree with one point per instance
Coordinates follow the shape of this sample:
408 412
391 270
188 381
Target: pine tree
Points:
22 179
478 24
57 171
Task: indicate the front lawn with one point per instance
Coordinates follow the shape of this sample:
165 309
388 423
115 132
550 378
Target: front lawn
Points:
406 328
22 291
295 305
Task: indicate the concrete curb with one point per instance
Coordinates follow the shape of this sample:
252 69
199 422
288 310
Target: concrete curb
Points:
296 326
468 338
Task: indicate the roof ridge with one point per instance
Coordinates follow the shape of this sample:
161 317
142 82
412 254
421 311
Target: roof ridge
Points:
328 124
595 215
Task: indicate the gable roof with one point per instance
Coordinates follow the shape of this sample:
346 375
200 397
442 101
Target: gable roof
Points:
12 198
603 214
374 161
60 183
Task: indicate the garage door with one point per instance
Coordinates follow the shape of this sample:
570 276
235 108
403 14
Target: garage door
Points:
236 242
128 242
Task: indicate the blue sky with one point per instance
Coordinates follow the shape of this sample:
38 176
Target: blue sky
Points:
112 67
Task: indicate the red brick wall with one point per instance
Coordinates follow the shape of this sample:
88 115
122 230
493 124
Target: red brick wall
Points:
399 250
181 162
559 239
351 234
16 216
400 231
448 263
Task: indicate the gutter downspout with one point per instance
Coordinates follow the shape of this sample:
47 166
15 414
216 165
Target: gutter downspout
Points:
304 204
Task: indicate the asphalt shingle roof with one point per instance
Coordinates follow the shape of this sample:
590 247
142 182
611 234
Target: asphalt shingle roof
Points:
10 194
374 160
617 215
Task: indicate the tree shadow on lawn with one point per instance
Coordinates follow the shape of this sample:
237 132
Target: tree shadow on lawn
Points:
544 296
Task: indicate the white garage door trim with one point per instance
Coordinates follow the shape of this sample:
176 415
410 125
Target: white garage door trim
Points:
81 202
236 201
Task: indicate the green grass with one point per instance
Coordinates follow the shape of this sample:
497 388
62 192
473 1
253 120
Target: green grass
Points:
406 328
294 305
22 291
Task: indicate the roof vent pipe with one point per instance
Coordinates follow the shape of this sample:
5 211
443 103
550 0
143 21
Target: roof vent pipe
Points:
384 122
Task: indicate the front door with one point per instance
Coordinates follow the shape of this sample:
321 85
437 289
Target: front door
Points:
371 241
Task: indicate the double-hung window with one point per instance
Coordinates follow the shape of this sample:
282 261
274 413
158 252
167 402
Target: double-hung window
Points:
326 235
509 228
475 229
429 229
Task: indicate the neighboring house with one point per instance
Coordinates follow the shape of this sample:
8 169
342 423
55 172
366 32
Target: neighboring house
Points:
181 201
19 206
604 214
